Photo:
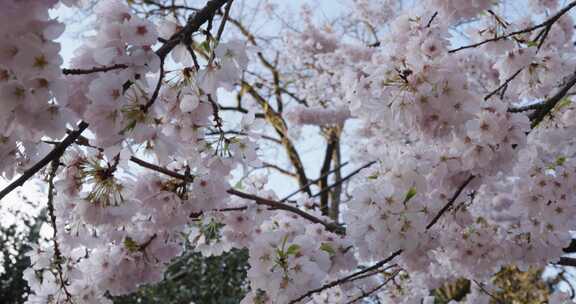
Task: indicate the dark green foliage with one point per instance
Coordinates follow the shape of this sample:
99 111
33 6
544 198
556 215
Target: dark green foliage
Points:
14 243
194 278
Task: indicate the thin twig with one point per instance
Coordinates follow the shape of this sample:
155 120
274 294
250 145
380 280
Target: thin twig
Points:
57 253
194 22
154 96
159 169
432 19
347 278
549 105
503 86
94 69
281 206
221 29
347 177
312 182
450 202
373 290
546 25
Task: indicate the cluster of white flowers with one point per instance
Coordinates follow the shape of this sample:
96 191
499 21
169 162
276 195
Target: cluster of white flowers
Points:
119 229
30 83
112 102
289 256
434 124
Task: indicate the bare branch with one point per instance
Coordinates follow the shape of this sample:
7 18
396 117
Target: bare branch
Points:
450 202
549 104
54 154
281 206
546 25
347 278
94 69
373 290
162 170
193 24
503 86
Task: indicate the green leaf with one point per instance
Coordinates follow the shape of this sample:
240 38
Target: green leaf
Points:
238 185
563 103
327 248
293 249
410 194
206 46
131 245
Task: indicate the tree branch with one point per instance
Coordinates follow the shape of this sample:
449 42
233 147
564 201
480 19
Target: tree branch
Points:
373 290
546 107
94 69
347 278
52 155
547 24
162 170
193 24
333 227
450 202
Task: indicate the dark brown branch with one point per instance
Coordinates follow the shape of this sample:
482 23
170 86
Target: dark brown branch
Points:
193 24
549 104
526 108
571 248
503 86
546 25
162 170
259 200
221 28
375 289
432 19
566 261
281 206
94 69
347 278
54 154
154 96
450 202
276 80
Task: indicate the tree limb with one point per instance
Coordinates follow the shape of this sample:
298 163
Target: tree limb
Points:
52 155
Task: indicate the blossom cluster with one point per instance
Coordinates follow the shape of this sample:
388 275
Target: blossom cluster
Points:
32 90
433 108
